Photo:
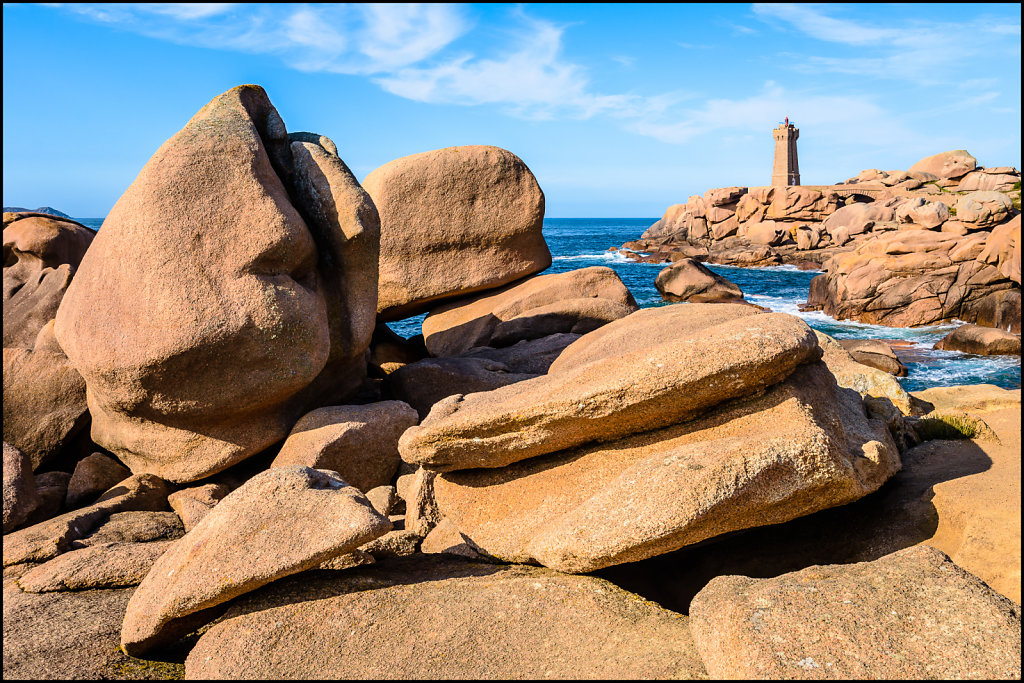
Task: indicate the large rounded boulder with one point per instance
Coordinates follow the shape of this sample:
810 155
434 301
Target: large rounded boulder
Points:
454 221
226 294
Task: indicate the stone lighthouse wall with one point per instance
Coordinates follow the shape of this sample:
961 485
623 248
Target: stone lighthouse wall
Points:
786 170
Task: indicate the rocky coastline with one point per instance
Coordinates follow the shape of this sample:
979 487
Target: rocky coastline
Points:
220 463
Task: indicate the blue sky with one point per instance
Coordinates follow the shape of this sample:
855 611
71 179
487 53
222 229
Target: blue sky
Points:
619 110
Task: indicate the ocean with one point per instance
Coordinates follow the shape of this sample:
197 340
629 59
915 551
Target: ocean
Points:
581 242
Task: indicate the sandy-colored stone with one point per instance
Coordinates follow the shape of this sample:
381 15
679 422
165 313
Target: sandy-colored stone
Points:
533 356
20 498
282 521
576 301
952 164
446 618
633 392
192 504
395 543
429 381
454 221
981 341
646 328
71 634
864 379
107 565
93 475
969 398
983 209
1002 249
874 353
201 338
44 402
41 254
48 539
417 490
134 526
384 499
358 442
802 446
913 614
689 280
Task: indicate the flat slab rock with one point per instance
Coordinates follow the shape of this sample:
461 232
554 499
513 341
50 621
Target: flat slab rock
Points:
105 565
71 635
912 614
643 389
419 617
802 446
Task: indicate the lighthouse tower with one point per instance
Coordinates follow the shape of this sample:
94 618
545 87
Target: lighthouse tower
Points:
786 171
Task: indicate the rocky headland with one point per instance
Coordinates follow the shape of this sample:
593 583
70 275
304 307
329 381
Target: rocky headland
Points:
220 463
936 243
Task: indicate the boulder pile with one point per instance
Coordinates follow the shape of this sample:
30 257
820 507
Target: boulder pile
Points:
218 460
936 243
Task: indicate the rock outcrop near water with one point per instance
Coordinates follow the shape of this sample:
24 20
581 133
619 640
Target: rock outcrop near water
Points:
276 484
938 242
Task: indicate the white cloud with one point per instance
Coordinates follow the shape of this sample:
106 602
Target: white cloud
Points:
826 114
925 52
339 38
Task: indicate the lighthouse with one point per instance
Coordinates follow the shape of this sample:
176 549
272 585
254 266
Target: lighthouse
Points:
786 170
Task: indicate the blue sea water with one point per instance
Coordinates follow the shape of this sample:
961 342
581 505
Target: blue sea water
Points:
581 242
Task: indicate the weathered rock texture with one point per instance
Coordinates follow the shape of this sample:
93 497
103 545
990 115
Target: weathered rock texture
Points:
576 301
358 442
71 634
41 254
875 353
192 504
453 222
107 565
93 475
803 445
900 248
134 526
446 618
636 391
20 497
981 341
913 614
282 521
44 401
688 280
48 539
204 328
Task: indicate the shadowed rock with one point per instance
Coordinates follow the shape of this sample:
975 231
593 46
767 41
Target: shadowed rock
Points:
358 442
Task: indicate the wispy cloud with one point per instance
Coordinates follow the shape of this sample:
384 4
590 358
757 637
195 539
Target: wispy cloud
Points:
827 114
339 38
415 52
922 51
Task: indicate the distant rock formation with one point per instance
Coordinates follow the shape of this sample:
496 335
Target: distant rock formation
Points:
42 209
938 242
